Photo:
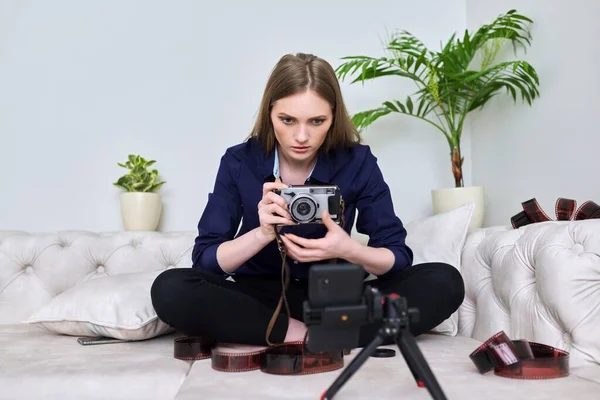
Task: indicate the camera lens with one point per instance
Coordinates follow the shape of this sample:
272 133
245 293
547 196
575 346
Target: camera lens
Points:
303 209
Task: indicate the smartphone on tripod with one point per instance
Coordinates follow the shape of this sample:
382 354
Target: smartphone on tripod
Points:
340 302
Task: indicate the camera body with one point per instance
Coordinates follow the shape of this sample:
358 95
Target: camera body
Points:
306 203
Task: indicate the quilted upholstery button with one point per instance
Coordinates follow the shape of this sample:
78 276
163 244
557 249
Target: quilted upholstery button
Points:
567 338
29 269
577 248
100 269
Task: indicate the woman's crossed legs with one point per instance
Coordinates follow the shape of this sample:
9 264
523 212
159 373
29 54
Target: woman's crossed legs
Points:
197 302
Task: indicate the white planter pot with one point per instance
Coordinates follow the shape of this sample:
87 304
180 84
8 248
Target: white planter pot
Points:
451 198
140 211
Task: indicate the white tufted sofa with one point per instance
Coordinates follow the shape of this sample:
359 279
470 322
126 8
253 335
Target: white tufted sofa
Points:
540 282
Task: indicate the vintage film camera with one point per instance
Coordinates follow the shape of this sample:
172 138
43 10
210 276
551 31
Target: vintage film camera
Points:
306 203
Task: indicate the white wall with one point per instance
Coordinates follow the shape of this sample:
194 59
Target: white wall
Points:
83 84
549 150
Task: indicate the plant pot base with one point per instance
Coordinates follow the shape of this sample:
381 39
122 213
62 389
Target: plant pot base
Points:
140 211
448 199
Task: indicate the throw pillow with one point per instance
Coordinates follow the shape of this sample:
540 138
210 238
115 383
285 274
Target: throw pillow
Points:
117 306
439 238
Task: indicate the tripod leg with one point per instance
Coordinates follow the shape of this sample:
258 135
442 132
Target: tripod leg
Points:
418 365
410 363
354 365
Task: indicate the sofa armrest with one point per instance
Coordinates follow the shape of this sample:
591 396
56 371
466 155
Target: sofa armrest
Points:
540 282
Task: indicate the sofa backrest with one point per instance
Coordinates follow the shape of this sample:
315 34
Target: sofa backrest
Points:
35 267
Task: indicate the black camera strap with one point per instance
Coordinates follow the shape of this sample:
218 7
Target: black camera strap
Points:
285 276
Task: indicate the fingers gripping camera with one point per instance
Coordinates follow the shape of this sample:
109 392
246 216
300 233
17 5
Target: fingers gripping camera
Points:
306 203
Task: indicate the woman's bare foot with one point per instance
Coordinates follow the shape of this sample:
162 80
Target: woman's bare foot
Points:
296 331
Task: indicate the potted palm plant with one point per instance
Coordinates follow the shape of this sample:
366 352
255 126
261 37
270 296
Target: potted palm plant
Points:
141 206
452 82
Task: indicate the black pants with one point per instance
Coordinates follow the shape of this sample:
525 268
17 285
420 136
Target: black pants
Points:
197 302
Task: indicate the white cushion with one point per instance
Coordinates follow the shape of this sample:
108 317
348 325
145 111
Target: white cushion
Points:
438 238
116 306
441 237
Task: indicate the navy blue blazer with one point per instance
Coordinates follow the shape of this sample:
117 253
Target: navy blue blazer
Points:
243 170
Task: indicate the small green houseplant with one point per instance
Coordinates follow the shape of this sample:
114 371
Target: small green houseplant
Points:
139 178
141 206
452 82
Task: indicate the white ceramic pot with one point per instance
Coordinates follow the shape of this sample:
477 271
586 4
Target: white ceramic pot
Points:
451 198
140 211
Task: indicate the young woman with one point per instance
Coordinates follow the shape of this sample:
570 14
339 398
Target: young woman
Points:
303 135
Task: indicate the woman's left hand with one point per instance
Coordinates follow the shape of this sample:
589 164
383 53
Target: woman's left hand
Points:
335 244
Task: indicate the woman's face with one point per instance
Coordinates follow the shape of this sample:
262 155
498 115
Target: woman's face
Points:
301 122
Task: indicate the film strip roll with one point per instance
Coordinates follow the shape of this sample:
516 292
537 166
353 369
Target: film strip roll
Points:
564 209
236 358
281 359
192 348
520 359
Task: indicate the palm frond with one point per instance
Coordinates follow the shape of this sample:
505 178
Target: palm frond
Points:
511 26
411 54
423 105
513 76
405 42
367 68
365 118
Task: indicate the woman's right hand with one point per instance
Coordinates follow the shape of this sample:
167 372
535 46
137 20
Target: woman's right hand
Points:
272 210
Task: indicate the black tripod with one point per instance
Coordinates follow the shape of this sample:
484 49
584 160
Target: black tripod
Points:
396 318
